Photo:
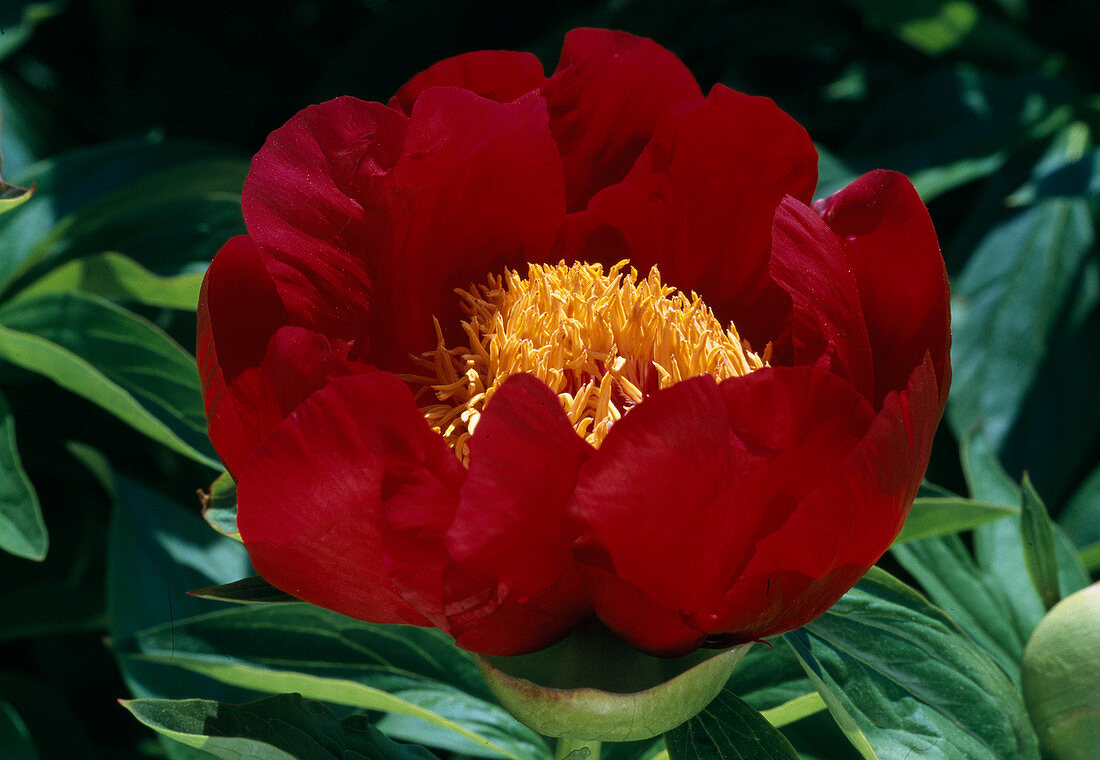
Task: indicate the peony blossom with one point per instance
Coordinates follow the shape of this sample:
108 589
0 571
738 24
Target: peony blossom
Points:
511 352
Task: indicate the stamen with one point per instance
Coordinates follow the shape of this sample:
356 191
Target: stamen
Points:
602 342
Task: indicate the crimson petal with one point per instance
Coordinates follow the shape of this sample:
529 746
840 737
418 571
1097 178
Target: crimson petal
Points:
827 327
500 75
238 312
700 200
608 92
313 495
305 203
495 572
691 480
895 256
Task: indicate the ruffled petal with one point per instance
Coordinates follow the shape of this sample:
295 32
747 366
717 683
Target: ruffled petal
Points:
895 256
238 312
500 75
312 497
844 525
826 325
700 200
496 573
609 90
687 484
313 204
480 189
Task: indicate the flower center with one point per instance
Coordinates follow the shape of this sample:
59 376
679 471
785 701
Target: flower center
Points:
601 341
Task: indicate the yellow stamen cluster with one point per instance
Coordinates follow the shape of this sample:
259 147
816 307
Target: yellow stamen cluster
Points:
602 342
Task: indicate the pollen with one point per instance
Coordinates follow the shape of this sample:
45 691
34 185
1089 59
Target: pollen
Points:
602 341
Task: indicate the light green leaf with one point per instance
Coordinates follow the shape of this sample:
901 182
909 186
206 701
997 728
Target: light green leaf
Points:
902 680
940 516
22 530
728 728
285 727
795 709
1038 542
115 359
117 277
219 507
1090 557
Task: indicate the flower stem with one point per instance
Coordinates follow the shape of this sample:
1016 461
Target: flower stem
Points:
568 746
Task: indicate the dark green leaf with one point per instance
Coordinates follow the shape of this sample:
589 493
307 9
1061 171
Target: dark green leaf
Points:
171 222
1081 516
411 672
946 571
114 359
22 530
1090 557
1003 306
728 729
284 727
73 180
940 516
18 20
252 590
14 736
1038 542
901 679
114 276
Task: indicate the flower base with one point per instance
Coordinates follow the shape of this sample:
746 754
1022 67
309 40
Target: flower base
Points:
591 686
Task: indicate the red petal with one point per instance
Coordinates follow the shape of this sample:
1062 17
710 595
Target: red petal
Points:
305 203
500 75
507 534
843 526
608 92
312 496
238 313
700 200
827 328
687 483
479 189
902 281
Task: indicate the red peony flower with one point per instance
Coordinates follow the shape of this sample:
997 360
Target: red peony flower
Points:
513 351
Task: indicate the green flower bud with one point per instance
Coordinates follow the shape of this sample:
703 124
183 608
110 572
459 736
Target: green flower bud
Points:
593 687
1061 677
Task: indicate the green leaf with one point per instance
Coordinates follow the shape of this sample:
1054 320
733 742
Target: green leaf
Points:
1081 516
172 221
901 679
251 590
940 516
219 506
117 277
285 727
795 709
484 740
18 20
998 546
728 728
14 736
72 181
22 530
418 666
1038 541
1003 307
974 600
1090 557
115 359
